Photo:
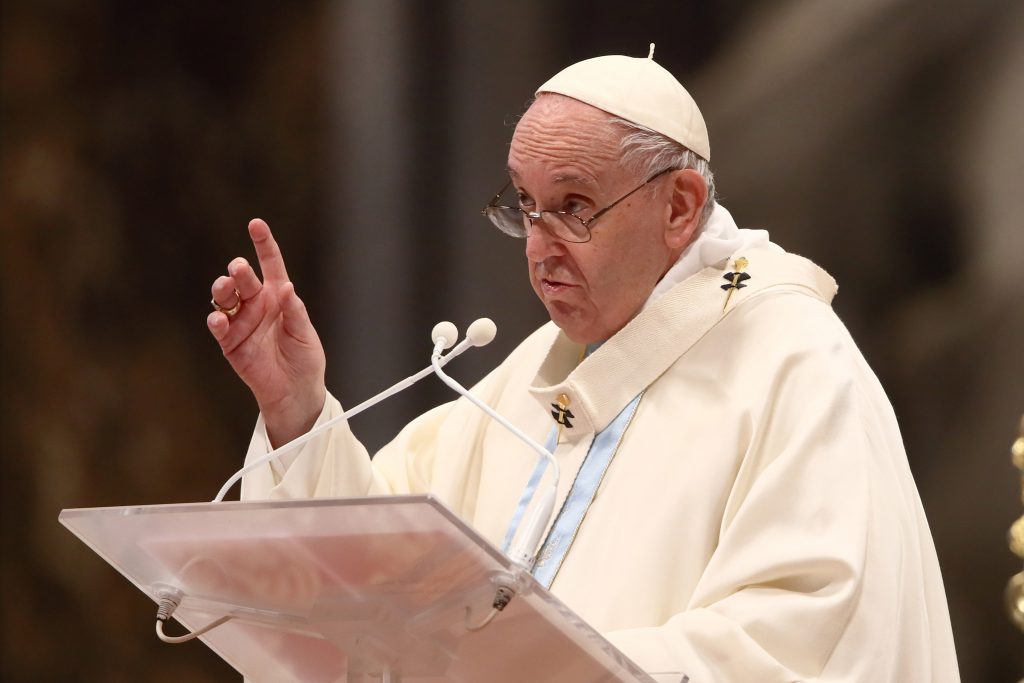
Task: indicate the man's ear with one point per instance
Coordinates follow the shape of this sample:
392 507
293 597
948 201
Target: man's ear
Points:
688 194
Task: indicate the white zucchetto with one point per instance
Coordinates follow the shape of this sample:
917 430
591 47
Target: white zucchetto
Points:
638 90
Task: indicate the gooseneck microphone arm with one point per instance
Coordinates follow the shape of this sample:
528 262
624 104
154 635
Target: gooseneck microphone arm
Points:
525 549
462 346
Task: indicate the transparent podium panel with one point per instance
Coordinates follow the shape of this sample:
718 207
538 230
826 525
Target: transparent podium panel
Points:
388 589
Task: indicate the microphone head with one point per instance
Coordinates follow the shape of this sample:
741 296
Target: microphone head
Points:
447 331
481 332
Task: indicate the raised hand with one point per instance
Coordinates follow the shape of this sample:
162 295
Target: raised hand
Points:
270 341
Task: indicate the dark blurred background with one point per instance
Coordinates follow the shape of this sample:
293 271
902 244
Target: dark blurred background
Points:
881 138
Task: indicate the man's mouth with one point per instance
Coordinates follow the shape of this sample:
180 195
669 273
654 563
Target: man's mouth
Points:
554 286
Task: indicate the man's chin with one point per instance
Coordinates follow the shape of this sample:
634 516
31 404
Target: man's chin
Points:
579 331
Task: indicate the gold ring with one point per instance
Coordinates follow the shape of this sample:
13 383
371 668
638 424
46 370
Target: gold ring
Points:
229 312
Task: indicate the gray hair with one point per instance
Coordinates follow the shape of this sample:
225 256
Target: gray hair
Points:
647 152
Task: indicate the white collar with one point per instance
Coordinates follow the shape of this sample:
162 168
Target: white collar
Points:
718 240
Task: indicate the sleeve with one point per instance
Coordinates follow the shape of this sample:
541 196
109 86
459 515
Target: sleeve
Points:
336 464
435 446
777 597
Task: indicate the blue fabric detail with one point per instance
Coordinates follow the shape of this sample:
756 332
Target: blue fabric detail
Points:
531 486
581 495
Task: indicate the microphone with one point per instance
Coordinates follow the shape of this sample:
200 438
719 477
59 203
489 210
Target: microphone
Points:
480 333
443 335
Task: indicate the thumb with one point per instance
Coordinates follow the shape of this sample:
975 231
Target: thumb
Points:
293 313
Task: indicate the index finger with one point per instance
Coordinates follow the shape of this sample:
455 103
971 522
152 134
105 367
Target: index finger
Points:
267 251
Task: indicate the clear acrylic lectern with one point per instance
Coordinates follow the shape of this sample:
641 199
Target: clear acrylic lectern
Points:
356 589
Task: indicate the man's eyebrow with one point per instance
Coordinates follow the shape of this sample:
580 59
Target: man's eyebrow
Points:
576 179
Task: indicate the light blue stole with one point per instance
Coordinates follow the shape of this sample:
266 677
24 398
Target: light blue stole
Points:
581 495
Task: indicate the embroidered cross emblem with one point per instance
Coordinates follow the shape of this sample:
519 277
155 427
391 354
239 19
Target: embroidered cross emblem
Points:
736 279
562 414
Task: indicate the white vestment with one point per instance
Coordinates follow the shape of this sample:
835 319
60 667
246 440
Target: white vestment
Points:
758 521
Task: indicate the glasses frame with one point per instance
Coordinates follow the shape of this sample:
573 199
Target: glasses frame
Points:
585 222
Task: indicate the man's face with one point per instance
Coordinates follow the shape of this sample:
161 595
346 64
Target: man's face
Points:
564 156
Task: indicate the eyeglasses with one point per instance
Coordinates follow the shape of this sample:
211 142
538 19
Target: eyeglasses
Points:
565 225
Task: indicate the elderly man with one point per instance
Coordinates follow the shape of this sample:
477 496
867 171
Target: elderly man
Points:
735 503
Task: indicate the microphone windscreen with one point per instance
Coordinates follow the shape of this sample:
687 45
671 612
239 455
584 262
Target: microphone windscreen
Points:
481 332
446 330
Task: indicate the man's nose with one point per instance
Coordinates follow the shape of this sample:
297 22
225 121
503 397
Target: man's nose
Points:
540 242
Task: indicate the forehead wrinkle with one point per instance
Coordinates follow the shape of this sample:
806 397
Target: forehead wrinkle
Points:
574 179
573 137
565 143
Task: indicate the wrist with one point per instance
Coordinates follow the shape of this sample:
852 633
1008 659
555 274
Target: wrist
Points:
292 415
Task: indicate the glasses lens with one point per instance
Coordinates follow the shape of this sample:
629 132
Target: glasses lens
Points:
516 223
510 221
566 226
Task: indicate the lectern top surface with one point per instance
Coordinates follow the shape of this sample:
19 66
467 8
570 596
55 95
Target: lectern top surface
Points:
316 586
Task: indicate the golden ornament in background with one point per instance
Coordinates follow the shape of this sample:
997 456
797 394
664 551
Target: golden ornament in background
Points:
1015 589
1015 600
